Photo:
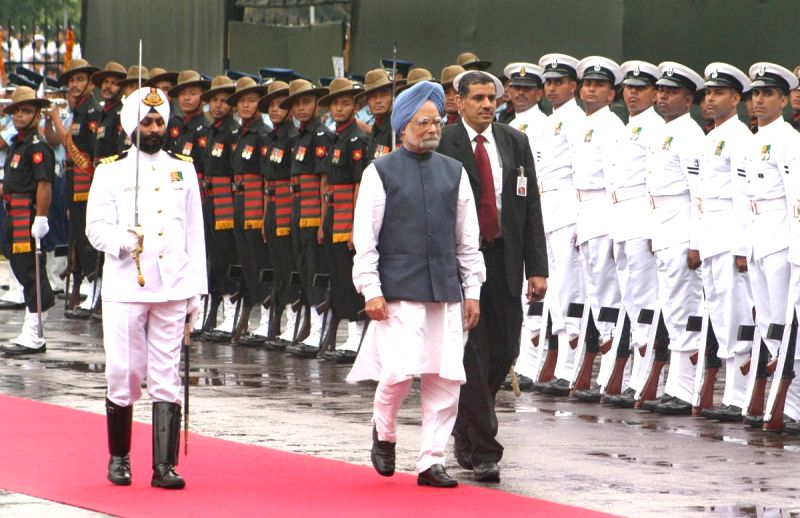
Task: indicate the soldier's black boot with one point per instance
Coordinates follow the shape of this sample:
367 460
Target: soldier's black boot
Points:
119 420
166 442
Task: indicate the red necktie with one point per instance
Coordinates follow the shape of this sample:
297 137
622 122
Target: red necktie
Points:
487 209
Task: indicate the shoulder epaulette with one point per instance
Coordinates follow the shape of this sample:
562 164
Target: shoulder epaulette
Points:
178 156
113 158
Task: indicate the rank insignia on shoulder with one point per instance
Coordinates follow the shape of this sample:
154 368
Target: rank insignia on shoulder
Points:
176 176
114 158
179 156
38 157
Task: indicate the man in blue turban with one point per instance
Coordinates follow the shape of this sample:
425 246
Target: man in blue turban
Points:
418 266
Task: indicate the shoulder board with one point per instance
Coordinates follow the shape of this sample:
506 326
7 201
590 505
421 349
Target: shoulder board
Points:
235 131
113 158
354 138
320 133
178 156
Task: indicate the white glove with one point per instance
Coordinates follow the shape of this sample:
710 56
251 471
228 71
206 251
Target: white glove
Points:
130 241
40 227
193 307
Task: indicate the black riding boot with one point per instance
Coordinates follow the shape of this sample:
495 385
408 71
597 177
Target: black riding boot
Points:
166 442
119 420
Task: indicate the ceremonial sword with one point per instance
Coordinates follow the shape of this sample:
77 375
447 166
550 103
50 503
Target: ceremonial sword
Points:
137 252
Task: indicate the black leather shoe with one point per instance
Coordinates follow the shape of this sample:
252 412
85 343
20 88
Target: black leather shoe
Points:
327 355
588 396
382 455
674 407
436 476
462 450
653 403
790 425
252 340
5 304
486 472
18 350
78 313
557 387
119 470
727 413
276 344
753 421
302 350
220 337
625 400
524 382
164 476
344 356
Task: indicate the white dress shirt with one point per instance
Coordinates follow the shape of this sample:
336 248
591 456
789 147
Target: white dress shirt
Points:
494 161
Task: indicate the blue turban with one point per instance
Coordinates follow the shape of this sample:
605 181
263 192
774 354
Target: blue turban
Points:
411 100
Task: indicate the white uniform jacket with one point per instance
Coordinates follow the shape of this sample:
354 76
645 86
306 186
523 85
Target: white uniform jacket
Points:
721 208
673 168
174 259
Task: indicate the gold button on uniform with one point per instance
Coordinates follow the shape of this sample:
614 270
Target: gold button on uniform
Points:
160 234
158 189
160 256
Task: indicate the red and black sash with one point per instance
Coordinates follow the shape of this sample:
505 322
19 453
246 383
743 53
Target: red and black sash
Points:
307 189
252 186
19 210
282 196
343 205
222 200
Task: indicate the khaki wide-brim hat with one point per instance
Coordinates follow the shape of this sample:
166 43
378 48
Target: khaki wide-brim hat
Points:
274 89
24 95
220 84
112 68
449 73
186 79
341 86
158 74
375 80
75 66
245 85
415 76
470 61
133 76
300 87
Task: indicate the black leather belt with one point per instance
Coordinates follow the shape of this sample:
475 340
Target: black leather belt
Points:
494 243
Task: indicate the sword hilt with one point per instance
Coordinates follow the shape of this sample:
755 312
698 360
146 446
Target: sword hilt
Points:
137 254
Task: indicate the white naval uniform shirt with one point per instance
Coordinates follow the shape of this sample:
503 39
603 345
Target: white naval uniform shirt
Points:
770 159
596 142
673 167
531 122
722 171
554 166
626 180
173 260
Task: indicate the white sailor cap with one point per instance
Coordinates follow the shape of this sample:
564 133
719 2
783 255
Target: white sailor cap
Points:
498 86
639 73
524 74
600 68
559 65
676 75
723 74
766 75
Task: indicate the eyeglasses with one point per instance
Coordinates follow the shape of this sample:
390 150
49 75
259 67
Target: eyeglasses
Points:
424 123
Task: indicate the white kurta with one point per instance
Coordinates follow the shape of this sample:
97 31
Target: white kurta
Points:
418 338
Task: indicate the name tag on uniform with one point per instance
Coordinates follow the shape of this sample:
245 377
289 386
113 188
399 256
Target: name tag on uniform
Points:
522 183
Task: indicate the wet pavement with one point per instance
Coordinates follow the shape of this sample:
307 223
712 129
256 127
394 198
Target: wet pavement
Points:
627 462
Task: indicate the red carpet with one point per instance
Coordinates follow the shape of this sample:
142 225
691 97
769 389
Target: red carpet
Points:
60 454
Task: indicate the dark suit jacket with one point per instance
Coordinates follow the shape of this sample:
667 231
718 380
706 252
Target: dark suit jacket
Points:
521 217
